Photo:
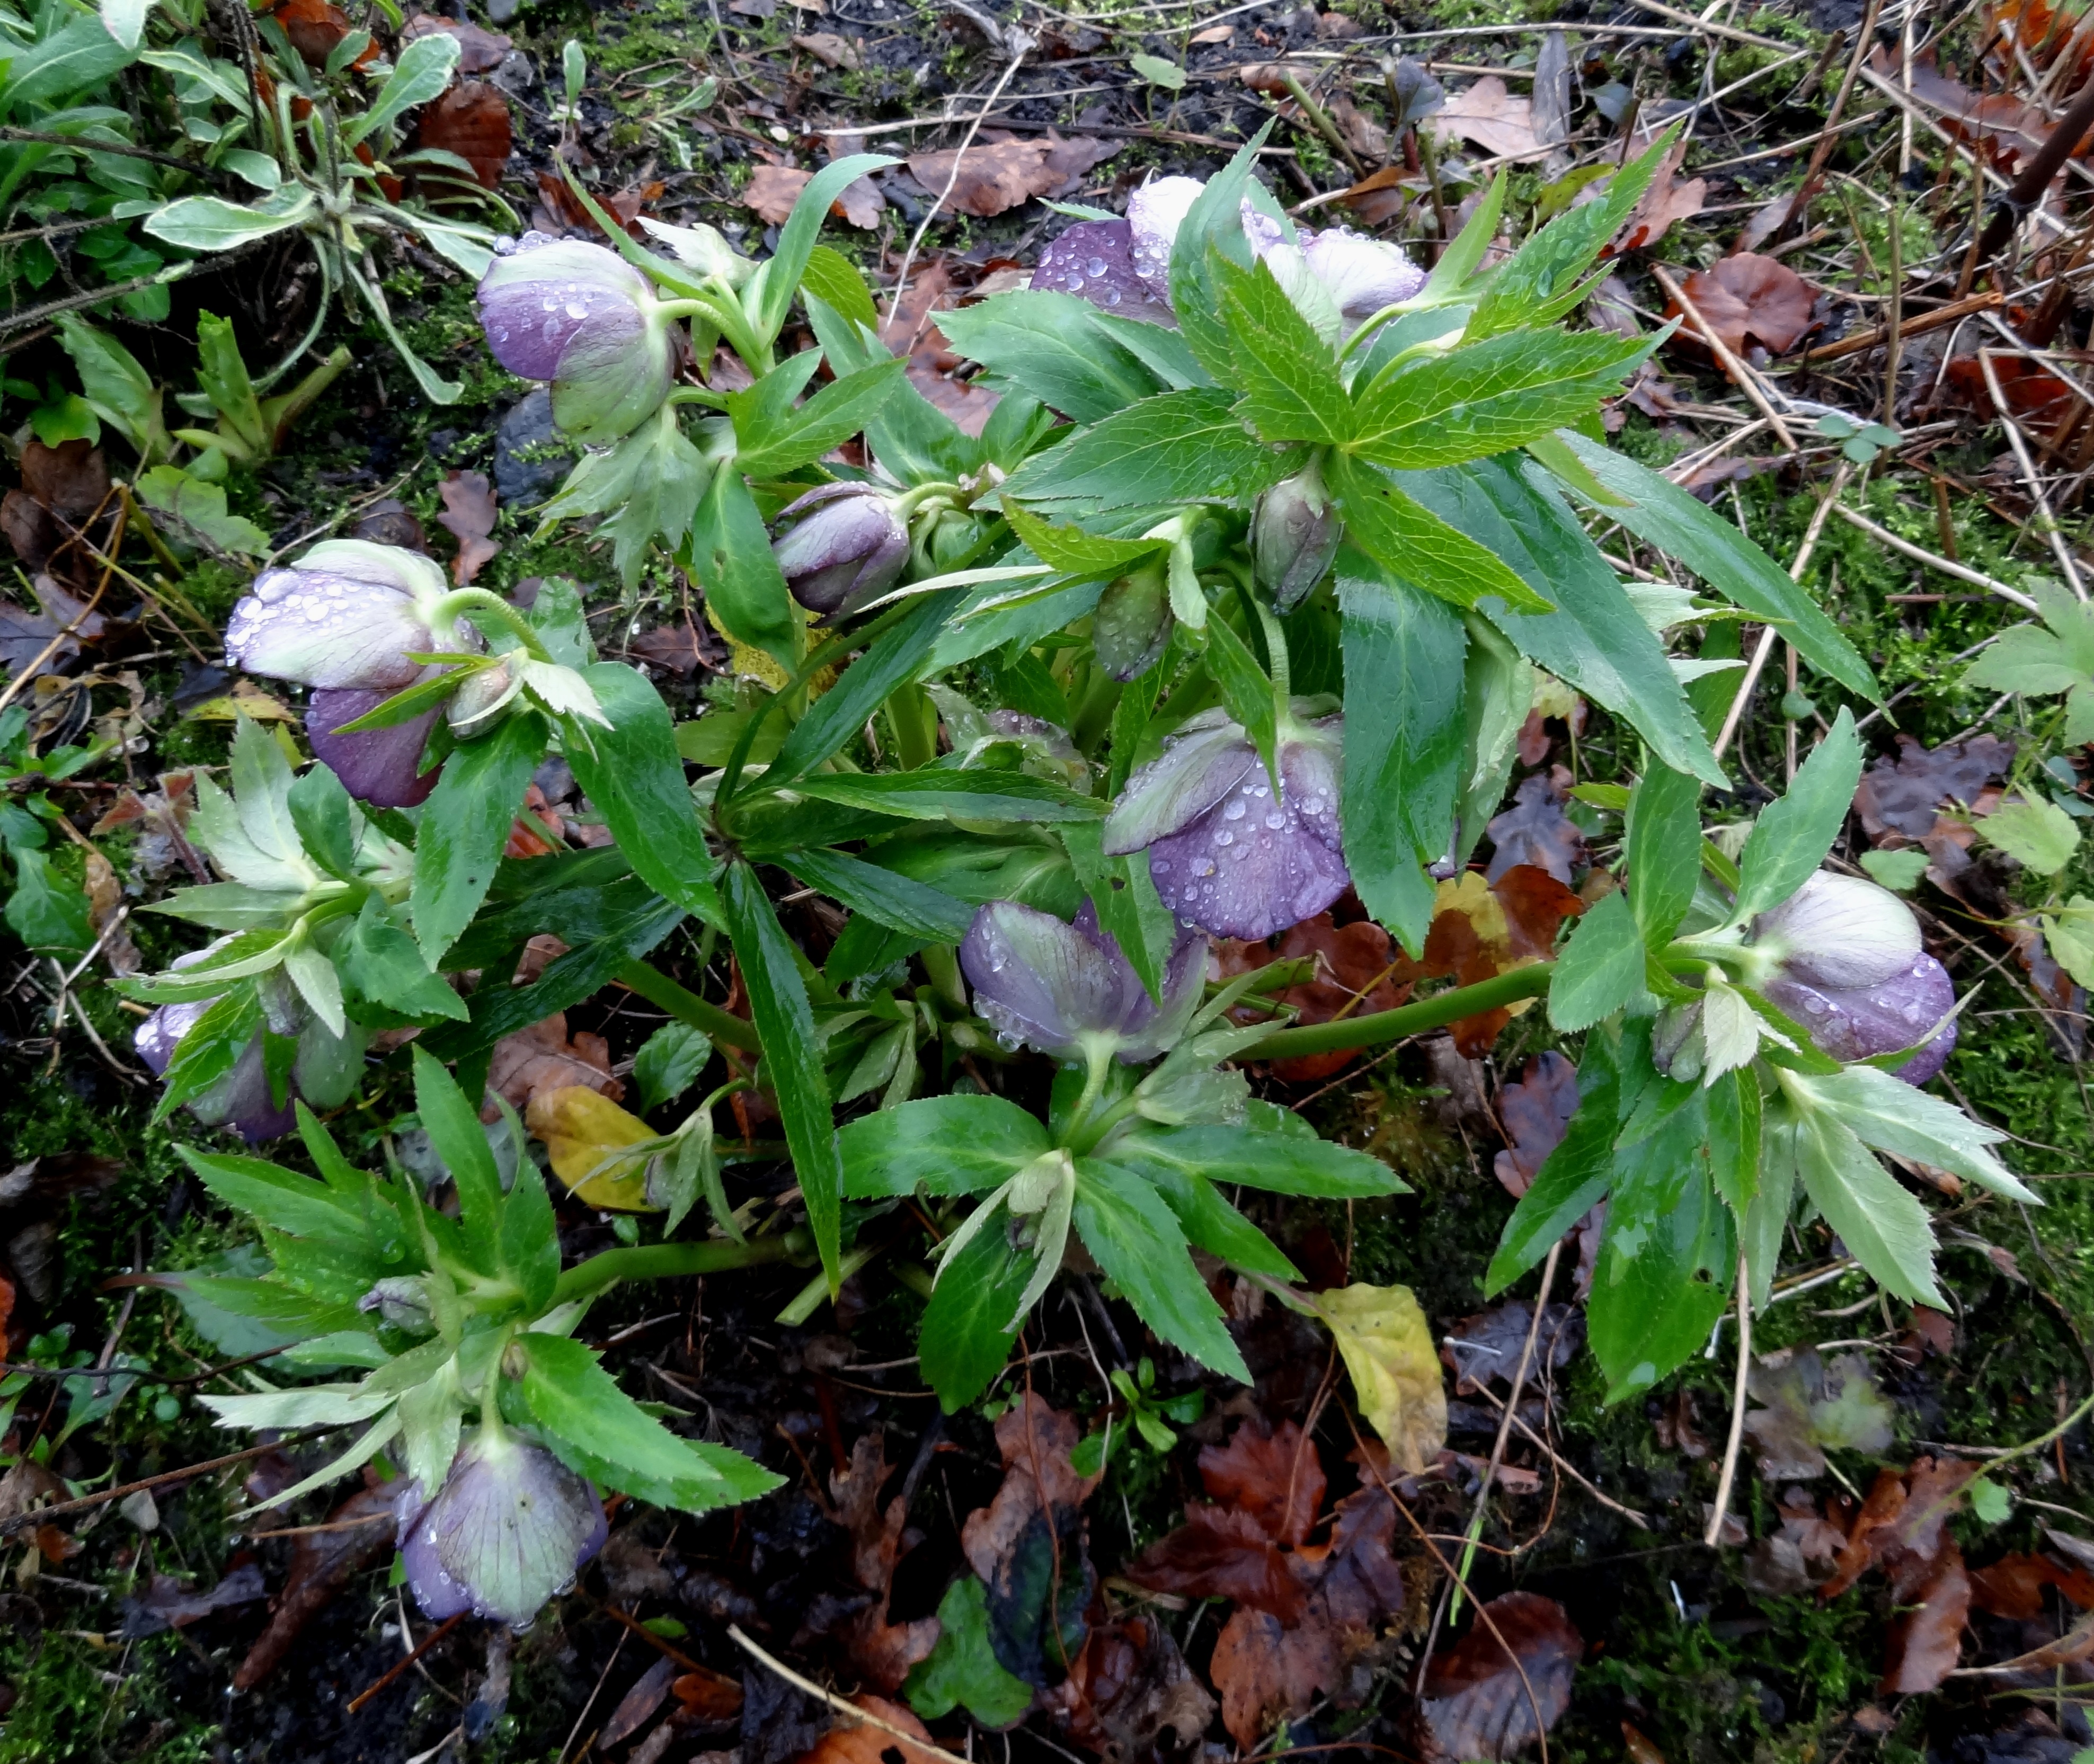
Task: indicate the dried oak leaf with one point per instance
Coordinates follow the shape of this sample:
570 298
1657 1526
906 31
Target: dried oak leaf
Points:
931 363
1129 1688
479 50
1536 1111
1669 198
1027 1544
358 1533
1480 1700
105 901
995 174
1811 1404
772 190
678 647
882 1651
1357 970
865 1744
1492 118
830 50
542 1058
469 516
1749 302
1905 795
469 119
1925 1641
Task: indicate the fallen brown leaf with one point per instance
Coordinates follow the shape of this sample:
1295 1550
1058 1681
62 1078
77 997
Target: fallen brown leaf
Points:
830 50
1749 302
864 1743
479 50
1491 117
470 119
105 900
542 1058
1130 1686
323 1561
772 190
1536 829
1356 967
316 28
2013 1587
882 1651
559 211
469 516
1925 1642
995 174
1477 1703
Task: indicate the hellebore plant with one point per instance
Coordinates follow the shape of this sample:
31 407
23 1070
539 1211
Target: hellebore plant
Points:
1220 614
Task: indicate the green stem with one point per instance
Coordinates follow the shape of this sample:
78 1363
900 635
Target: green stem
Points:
657 988
670 1261
1434 1012
474 601
915 723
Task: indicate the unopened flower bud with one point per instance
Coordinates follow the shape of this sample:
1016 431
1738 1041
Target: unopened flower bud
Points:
579 316
1294 536
849 547
1132 621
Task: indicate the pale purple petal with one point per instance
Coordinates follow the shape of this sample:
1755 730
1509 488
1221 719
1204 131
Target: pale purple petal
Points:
157 1038
1042 982
848 548
326 628
1861 1022
1361 275
1094 260
511 1527
1154 214
1840 931
379 765
1249 867
1200 766
1309 768
533 300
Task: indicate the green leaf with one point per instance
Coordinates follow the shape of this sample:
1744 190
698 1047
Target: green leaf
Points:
1486 397
1055 347
838 715
1601 970
963 1668
452 1122
69 57
45 911
1884 1228
420 72
669 1062
1684 527
1137 1241
1209 1221
530 1237
1071 549
2038 835
464 825
729 552
212 1047
1291 391
1595 640
832 278
882 895
1245 689
223 376
1404 656
1413 545
1884 1111
206 224
649 485
121 390
1734 1139
1662 842
942 793
1790 838
330 825
633 774
1177 447
284 1201
1124 896
1212 226
831 417
1898 871
796 239
1172 77
946 1145
1283 1163
792 1054
201 507
964 1343
581 1407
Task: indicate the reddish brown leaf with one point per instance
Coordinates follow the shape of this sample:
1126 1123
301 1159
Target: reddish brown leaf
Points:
1130 1686
323 1561
677 647
1218 1552
542 1058
2012 129
772 190
1276 1478
1749 302
1668 198
882 1651
1357 970
1492 117
865 1744
1924 1643
469 516
315 28
1535 1111
559 211
996 173
2013 1587
649 1691
1478 1703
71 479
1900 1525
470 119
1904 794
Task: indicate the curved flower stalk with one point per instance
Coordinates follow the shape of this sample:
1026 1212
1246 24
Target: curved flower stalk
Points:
1227 851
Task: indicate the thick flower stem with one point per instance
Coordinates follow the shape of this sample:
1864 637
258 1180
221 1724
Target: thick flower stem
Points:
657 988
669 1261
1434 1012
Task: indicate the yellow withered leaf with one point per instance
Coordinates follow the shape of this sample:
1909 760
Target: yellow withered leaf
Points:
581 1127
1387 1347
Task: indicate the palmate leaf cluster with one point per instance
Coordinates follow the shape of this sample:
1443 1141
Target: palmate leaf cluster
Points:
1111 494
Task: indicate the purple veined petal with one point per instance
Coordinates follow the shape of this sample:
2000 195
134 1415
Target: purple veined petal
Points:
1094 260
1150 1026
1041 982
156 1038
535 299
241 1100
1861 1022
511 1527
613 373
1309 768
1154 214
414 573
848 548
1249 867
1840 931
376 766
1361 275
325 629
1207 758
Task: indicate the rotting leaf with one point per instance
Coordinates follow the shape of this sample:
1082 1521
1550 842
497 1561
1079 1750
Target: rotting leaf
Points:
1535 830
997 172
1925 1641
1809 1406
542 1058
581 1128
1905 795
2014 1587
1386 1343
862 1743
167 1604
1129 1688
1358 972
1749 302
471 120
1477 1703
1536 1111
480 51
469 516
1484 1350
772 190
882 1651
1487 114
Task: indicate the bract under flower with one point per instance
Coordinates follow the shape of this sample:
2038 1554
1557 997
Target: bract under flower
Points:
1067 990
511 1527
582 317
1227 853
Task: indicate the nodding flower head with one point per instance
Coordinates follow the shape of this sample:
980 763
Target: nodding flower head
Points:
1094 260
579 316
323 1070
346 616
848 548
511 1527
1068 990
1294 537
1842 957
1228 852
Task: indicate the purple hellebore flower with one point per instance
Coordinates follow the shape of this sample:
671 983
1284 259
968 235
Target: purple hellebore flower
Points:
1294 537
1225 852
1068 991
1094 260
511 1527
380 766
1847 964
324 1071
849 549
579 316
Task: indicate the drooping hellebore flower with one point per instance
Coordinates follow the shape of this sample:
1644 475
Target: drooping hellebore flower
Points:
324 1071
344 619
848 548
579 316
1227 852
511 1527
1842 957
1294 536
1068 990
